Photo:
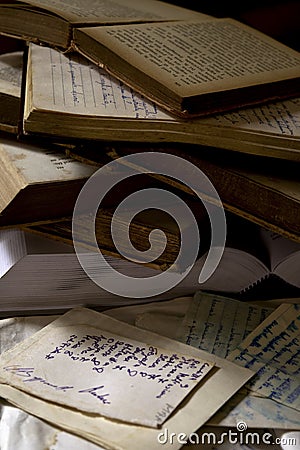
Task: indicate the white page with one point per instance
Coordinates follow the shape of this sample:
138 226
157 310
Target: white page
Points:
218 324
12 249
279 247
120 435
273 351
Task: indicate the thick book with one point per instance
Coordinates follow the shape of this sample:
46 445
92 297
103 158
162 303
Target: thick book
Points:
38 182
68 97
140 227
42 274
154 52
253 256
265 191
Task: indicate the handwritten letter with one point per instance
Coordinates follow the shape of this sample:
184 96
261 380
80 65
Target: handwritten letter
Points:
273 351
98 371
218 324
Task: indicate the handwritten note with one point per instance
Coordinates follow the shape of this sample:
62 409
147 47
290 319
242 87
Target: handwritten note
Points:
80 87
218 324
100 372
257 412
223 381
273 351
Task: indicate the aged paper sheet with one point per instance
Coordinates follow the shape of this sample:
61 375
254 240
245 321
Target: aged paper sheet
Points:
120 434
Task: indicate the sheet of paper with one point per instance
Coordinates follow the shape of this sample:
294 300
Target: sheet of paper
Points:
177 307
161 323
218 324
21 431
15 329
100 430
105 365
39 165
256 412
273 351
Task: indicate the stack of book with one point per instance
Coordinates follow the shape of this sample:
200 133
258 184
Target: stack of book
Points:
90 84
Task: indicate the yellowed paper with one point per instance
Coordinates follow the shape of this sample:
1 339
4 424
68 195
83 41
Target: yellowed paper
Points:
219 324
182 55
115 11
99 366
187 418
272 350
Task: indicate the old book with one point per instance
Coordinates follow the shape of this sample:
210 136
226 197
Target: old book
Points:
11 65
140 229
42 274
235 65
38 182
263 190
68 96
252 255
23 19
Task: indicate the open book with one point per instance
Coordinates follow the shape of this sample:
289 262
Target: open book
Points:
38 182
69 97
235 65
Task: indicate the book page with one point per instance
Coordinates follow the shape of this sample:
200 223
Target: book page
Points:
279 247
70 83
12 249
11 73
272 350
115 11
40 165
182 55
219 324
102 430
280 118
